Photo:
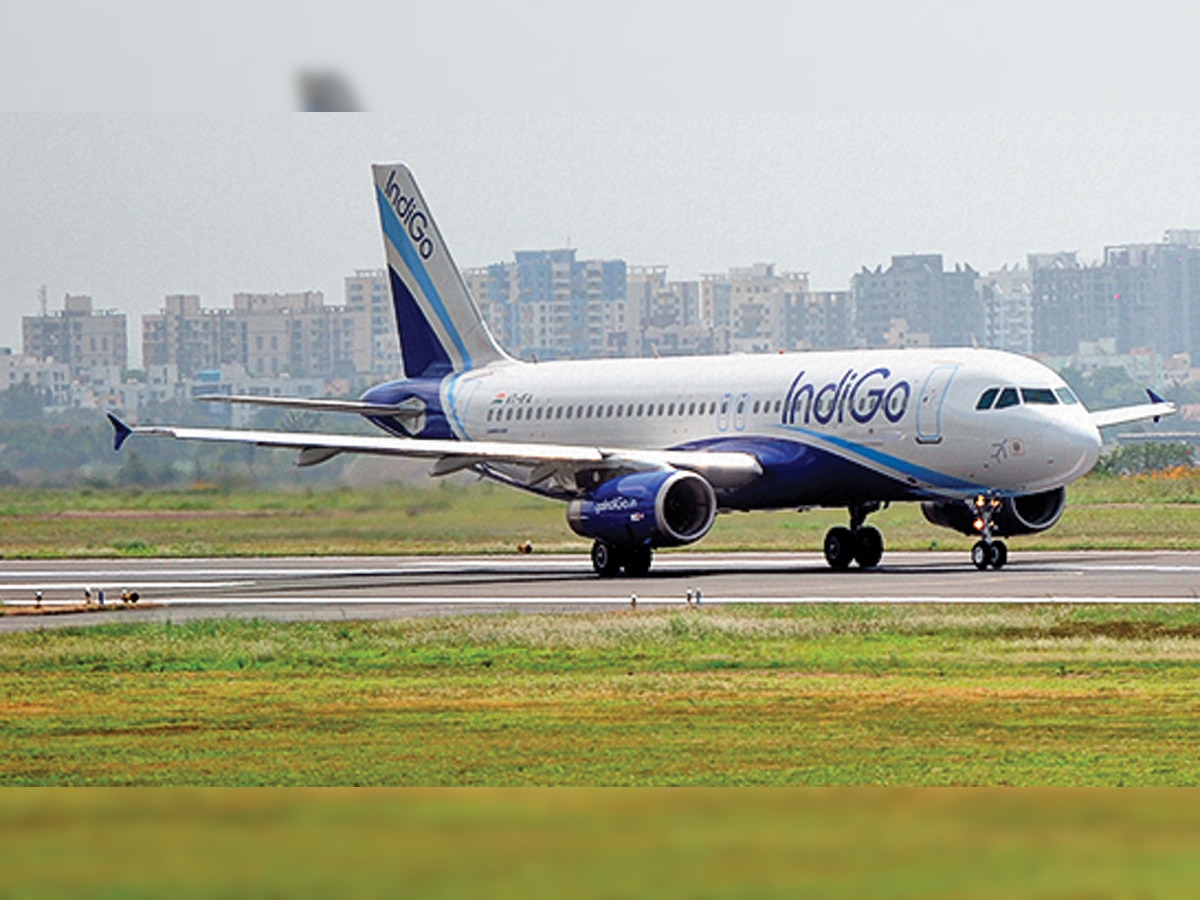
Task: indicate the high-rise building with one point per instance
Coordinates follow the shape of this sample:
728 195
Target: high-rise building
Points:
918 289
368 292
753 307
823 320
550 305
1007 296
268 334
1139 296
188 337
85 339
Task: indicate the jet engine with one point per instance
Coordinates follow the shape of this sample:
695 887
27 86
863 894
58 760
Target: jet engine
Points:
1027 514
659 509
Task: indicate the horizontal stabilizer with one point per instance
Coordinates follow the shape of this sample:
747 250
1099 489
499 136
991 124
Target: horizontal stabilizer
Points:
316 404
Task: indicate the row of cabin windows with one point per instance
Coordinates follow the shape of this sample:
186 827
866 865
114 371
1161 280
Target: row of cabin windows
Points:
1002 398
622 410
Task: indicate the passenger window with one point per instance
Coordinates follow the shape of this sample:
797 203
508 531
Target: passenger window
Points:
641 409
988 398
778 406
1065 395
569 408
1042 396
1008 397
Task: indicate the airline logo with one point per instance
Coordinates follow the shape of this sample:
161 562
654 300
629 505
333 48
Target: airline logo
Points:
615 504
862 397
413 219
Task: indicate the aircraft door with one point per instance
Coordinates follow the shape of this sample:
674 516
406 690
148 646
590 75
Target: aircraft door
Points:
723 413
739 419
929 409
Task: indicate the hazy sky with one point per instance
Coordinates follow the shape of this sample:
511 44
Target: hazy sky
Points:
129 207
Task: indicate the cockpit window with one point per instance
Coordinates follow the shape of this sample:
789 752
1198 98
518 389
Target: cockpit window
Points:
1065 395
1044 396
1008 397
987 398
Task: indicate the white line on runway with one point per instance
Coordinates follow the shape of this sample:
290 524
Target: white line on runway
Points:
106 583
657 601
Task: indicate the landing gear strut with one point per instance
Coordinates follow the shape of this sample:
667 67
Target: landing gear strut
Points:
608 560
987 553
859 543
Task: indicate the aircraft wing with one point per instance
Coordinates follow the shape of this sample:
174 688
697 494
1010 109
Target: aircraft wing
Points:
1155 409
553 469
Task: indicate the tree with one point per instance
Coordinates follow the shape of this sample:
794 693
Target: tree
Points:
22 403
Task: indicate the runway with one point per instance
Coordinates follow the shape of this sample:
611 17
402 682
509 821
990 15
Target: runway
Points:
296 589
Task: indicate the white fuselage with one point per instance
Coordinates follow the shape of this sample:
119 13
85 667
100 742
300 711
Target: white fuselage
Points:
909 416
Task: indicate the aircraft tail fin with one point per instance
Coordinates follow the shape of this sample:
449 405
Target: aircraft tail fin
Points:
441 329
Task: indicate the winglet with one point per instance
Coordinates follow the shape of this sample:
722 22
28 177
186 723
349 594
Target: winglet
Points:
1155 398
121 431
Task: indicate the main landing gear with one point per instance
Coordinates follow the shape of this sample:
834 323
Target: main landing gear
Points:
859 543
987 553
608 560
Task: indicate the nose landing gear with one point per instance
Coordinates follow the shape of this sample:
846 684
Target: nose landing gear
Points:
987 553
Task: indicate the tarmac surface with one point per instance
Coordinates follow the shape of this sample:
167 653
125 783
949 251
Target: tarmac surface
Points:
325 588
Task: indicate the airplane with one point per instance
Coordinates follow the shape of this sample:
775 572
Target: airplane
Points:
646 452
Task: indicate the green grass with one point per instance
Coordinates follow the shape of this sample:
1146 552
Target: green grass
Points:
594 843
858 695
453 517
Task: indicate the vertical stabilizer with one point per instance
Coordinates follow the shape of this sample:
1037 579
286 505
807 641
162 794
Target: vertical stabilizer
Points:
441 330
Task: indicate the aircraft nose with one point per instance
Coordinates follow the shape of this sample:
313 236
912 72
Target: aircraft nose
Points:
1081 446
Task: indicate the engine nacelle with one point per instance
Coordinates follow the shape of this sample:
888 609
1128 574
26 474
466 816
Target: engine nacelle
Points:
662 509
1027 514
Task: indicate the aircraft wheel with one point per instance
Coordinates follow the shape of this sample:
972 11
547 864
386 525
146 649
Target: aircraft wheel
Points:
605 559
840 547
999 555
869 547
637 562
981 555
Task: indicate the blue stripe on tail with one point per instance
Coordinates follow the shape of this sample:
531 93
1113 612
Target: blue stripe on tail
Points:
422 352
402 298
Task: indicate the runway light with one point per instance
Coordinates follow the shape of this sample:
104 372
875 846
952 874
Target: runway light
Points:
633 601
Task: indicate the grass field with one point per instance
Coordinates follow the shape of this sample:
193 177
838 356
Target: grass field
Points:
602 844
1051 695
1160 511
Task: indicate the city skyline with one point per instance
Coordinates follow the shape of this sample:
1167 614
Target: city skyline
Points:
131 208
999 288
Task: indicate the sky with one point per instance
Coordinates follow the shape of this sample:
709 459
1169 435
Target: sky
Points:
147 148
